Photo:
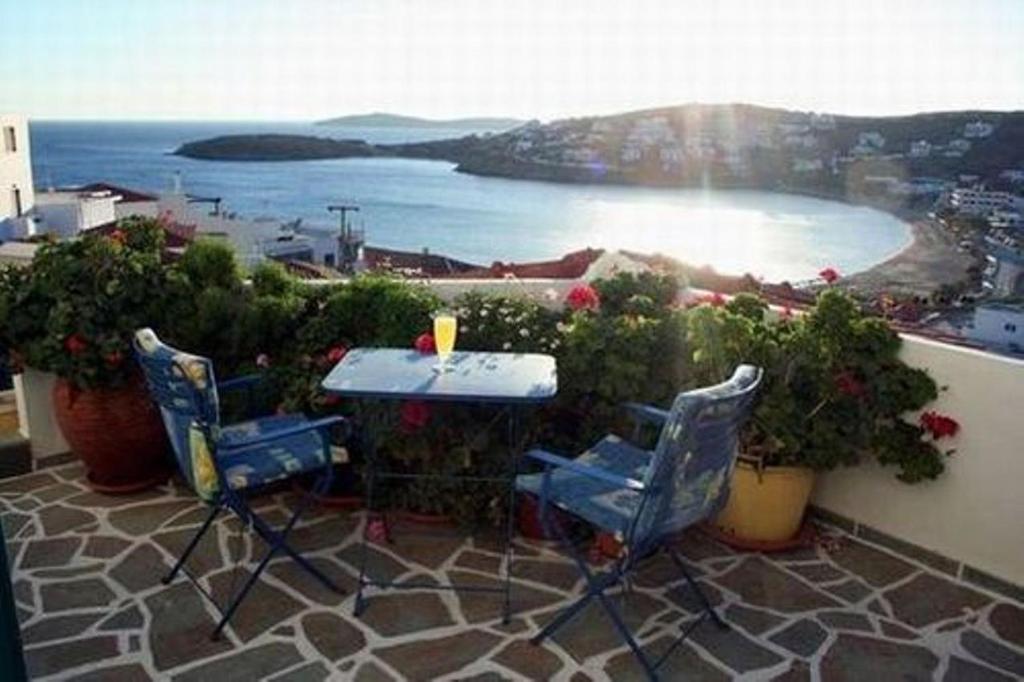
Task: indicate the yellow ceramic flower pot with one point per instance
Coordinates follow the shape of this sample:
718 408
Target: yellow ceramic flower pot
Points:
767 504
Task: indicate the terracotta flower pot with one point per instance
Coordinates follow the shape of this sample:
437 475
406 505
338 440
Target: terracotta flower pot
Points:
117 433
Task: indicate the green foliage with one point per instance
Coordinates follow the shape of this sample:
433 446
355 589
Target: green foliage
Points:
74 310
643 293
834 390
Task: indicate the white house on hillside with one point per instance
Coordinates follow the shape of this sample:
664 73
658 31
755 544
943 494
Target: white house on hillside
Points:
17 196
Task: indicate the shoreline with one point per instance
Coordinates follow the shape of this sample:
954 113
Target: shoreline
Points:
931 259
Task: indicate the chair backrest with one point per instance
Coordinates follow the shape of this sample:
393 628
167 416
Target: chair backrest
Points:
688 479
185 388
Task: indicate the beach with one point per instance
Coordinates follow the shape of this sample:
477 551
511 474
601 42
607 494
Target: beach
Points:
929 261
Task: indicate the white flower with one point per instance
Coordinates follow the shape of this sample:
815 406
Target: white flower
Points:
524 332
483 312
563 328
463 329
506 346
550 294
509 320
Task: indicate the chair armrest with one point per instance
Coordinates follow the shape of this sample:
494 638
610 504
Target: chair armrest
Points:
247 381
585 470
646 413
316 425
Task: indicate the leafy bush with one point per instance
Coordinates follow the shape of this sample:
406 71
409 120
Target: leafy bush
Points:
835 388
74 310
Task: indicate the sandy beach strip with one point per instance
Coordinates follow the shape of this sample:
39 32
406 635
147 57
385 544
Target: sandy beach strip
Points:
930 260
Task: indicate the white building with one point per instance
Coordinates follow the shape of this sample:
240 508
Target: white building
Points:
981 202
871 139
999 326
66 213
920 148
959 145
16 192
978 129
1004 273
807 165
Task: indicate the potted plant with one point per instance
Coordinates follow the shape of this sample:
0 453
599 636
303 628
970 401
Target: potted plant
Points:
72 313
835 392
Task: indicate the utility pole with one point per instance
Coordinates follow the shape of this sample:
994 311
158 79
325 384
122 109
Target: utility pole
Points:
343 210
349 244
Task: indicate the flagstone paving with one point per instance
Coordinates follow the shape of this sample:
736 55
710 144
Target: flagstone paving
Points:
86 571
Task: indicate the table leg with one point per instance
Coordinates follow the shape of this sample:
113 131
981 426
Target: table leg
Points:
513 451
370 448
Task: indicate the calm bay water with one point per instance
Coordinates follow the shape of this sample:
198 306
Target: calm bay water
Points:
410 204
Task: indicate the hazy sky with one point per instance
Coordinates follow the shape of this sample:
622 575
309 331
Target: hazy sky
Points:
307 59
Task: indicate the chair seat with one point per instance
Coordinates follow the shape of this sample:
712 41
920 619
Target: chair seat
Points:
607 506
264 463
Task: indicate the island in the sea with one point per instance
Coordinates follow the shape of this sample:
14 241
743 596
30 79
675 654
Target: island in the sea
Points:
384 120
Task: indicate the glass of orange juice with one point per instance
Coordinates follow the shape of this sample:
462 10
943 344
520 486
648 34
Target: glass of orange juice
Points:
445 329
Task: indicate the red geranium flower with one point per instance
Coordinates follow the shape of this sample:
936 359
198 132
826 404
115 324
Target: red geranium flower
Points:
75 344
830 275
939 425
336 354
424 343
583 297
117 236
330 400
114 358
848 384
414 414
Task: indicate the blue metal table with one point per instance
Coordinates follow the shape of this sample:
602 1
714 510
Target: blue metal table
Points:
514 380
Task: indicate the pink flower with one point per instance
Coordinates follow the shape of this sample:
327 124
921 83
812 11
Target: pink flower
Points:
830 275
263 361
938 425
336 354
787 313
117 236
424 343
583 297
414 415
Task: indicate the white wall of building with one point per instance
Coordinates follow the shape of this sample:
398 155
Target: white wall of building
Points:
998 326
15 166
973 512
65 214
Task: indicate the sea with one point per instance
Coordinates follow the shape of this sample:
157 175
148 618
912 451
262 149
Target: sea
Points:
419 204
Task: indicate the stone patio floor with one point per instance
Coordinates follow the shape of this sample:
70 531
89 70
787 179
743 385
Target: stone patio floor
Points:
86 572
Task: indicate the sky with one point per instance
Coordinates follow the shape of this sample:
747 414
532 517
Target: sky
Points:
311 59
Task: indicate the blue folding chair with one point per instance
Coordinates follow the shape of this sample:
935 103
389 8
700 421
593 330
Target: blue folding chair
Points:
647 497
225 464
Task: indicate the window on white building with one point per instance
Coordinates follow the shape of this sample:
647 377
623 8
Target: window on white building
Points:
10 140
16 201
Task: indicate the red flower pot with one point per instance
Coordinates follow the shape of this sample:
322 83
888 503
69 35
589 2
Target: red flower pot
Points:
530 526
117 433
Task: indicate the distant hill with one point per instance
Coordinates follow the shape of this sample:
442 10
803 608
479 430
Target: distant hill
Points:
382 120
906 159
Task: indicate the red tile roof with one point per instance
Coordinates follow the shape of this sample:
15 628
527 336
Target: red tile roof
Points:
430 264
570 266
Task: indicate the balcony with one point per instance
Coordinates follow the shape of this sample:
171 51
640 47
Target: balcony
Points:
87 568
896 582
